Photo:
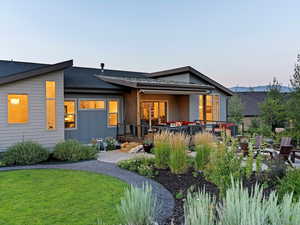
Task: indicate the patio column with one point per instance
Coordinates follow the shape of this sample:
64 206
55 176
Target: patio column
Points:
138 114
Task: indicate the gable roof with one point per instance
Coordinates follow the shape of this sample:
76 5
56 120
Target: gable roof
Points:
33 71
251 102
150 83
191 70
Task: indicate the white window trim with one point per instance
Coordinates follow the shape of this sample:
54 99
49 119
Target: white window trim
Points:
45 106
76 113
108 100
28 106
91 99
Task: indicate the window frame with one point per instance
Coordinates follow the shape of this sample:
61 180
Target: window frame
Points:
156 100
45 106
91 99
28 109
118 113
75 112
213 95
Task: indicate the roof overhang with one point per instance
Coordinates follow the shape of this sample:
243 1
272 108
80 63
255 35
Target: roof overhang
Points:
156 84
35 72
191 70
172 92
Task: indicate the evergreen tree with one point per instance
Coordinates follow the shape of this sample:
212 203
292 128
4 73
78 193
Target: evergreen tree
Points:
273 109
294 102
235 109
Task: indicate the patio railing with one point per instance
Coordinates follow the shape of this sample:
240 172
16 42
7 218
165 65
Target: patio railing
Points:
132 130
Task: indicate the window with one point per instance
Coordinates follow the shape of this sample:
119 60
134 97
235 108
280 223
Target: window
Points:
50 105
209 107
113 109
17 108
70 114
92 104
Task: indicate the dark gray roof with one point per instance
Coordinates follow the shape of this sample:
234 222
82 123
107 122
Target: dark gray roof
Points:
80 77
251 101
77 78
189 69
150 83
11 67
33 72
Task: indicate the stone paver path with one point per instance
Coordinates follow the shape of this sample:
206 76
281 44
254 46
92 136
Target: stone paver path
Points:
116 156
164 197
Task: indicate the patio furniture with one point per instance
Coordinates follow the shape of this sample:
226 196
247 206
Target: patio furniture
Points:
285 150
294 155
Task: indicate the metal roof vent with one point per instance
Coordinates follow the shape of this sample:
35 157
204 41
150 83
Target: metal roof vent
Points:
102 67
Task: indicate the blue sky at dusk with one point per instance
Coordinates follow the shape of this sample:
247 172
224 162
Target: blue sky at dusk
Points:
234 42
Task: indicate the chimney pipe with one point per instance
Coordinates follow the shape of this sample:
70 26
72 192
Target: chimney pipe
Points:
102 67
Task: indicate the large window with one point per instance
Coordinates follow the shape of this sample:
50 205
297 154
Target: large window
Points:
70 114
50 105
113 113
17 108
209 107
92 104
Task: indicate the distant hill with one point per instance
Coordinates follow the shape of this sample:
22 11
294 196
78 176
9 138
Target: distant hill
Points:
258 89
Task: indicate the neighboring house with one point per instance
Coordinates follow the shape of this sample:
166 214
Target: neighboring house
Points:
251 102
49 103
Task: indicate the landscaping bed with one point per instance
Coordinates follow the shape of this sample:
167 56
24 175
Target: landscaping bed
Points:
179 185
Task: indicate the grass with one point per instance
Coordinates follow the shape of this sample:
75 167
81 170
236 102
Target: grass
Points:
58 197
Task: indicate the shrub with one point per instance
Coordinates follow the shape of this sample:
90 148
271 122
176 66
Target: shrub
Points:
162 148
73 150
198 209
223 163
290 183
204 138
202 156
241 207
25 153
178 153
138 206
141 165
111 143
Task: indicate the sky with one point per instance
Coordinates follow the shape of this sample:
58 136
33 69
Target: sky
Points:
235 42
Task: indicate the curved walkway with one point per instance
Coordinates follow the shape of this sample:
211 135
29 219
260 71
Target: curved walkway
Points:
165 198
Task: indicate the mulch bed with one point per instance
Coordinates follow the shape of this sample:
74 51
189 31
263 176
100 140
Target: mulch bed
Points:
179 185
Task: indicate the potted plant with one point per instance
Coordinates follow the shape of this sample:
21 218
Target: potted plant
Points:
148 145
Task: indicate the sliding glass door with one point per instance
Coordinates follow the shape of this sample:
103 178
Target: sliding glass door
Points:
154 112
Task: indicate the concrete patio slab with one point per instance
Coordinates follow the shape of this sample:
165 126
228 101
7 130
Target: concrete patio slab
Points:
117 155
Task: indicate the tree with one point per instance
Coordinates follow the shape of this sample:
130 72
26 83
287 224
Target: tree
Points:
294 101
273 109
235 109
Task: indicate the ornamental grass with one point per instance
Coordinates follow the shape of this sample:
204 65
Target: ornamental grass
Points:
178 154
162 147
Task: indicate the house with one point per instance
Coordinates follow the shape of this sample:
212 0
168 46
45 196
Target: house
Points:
251 101
49 103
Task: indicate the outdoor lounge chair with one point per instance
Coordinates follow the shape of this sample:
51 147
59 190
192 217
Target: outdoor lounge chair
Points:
284 151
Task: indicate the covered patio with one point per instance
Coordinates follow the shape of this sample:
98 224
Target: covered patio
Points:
152 104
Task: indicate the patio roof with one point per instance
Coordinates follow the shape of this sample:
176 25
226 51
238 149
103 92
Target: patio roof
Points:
154 84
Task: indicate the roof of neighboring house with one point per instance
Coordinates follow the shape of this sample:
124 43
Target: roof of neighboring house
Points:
150 83
189 69
32 71
251 101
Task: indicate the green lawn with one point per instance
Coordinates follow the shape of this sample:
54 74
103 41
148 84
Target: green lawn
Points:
58 197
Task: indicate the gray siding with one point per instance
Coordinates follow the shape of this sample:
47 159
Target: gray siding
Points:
194 107
35 129
181 77
223 100
92 124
